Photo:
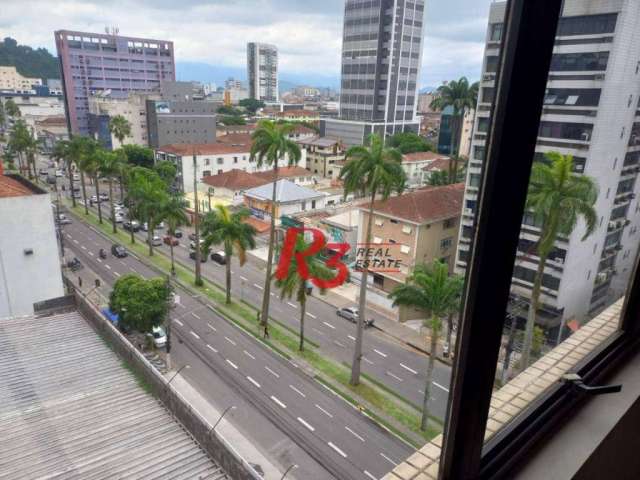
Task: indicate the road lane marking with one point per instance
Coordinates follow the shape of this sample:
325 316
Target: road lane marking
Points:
317 331
249 355
368 361
324 411
297 391
394 376
99 261
354 434
83 247
272 372
230 341
243 279
329 325
258 286
178 322
76 241
409 369
278 402
338 343
116 274
311 315
440 386
211 348
193 314
91 253
253 381
387 459
303 422
340 452
232 272
380 353
68 235
272 294
351 337
292 305
370 476
211 327
231 363
108 267
134 270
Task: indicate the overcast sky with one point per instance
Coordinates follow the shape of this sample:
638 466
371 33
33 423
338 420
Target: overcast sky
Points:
307 32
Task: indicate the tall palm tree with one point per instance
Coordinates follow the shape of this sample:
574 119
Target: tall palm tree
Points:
149 193
373 170
19 140
119 127
558 198
462 97
81 151
271 144
293 284
92 166
430 289
220 226
173 212
109 167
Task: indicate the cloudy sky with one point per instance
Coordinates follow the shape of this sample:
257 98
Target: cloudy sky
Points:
215 32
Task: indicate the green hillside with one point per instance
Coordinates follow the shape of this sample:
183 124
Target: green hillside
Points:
29 62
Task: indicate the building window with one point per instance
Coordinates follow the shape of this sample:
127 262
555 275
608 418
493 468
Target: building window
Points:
406 229
446 243
379 222
220 161
496 32
449 223
578 62
587 24
377 240
405 249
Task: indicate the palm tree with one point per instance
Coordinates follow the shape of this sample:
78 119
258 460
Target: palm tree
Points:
430 289
557 198
373 170
81 153
92 166
220 226
271 144
293 283
120 128
109 167
149 193
462 97
173 212
19 140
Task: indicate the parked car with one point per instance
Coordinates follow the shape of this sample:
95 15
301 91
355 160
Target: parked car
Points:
192 244
145 227
43 171
119 217
65 221
74 265
192 237
156 241
159 337
160 226
51 180
203 256
118 251
132 225
169 240
219 257
59 173
177 233
118 205
350 313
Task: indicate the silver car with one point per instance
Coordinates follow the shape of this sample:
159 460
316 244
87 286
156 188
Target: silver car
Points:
350 313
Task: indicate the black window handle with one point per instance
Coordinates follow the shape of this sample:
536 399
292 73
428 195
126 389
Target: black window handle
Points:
578 385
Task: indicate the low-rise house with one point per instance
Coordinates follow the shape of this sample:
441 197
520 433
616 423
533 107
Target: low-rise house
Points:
231 185
413 165
322 153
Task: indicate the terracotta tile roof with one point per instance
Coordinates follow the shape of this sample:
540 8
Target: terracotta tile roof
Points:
234 180
259 225
53 121
421 157
218 148
284 172
425 205
236 139
439 164
297 113
10 187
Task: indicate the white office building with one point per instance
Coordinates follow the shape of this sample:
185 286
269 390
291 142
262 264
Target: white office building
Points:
262 71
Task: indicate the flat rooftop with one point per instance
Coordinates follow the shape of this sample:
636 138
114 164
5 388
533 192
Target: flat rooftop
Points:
70 409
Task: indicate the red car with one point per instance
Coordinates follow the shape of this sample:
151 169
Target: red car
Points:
169 240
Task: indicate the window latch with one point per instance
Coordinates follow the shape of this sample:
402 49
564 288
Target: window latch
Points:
578 385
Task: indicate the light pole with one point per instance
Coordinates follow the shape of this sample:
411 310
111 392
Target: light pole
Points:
230 407
291 467
175 375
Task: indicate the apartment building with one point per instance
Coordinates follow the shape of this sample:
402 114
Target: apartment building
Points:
96 62
322 154
262 71
592 112
11 80
446 132
381 52
417 166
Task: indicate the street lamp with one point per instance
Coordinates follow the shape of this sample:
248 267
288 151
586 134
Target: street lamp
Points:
291 467
230 407
176 374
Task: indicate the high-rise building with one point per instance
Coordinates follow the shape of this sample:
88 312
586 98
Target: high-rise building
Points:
381 53
262 71
591 111
95 62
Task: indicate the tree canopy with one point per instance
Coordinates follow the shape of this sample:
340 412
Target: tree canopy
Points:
139 156
408 142
37 63
140 304
228 110
232 120
252 105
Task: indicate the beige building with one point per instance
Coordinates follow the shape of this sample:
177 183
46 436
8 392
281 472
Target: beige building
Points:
322 153
11 80
414 228
414 165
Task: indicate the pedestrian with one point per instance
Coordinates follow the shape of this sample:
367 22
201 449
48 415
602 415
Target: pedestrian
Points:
258 317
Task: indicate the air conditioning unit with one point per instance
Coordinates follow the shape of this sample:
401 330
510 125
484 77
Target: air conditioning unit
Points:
612 225
559 260
601 277
585 136
620 223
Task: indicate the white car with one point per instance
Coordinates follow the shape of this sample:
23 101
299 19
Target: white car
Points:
156 241
59 173
119 217
159 337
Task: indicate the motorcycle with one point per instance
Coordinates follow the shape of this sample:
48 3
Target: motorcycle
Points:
368 323
74 265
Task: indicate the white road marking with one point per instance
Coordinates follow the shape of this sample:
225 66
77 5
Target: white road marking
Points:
116 274
292 305
99 261
387 459
195 315
249 355
211 348
232 272
394 376
258 286
253 381
195 334
440 386
232 364
91 253
75 241
243 279
351 337
178 322
302 421
108 267
230 341
68 235
297 391
409 369
311 315
211 327
368 361
354 434
324 411
329 325
134 270
83 247
316 330
272 294
278 402
370 476
338 343
380 353
179 304
337 449
272 372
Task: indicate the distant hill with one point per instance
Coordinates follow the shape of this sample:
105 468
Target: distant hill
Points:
29 62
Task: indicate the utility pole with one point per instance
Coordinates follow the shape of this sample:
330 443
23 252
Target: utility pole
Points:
196 221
